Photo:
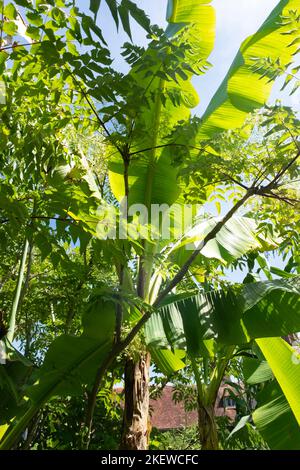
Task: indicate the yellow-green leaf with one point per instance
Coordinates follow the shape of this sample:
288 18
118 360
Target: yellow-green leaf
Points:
285 364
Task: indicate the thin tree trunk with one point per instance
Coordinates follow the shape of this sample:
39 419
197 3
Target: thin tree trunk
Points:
208 433
135 434
207 395
207 429
23 293
18 291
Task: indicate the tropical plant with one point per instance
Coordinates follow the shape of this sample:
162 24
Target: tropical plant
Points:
211 325
63 76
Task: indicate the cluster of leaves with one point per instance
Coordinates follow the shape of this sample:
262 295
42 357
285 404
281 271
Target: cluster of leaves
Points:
53 428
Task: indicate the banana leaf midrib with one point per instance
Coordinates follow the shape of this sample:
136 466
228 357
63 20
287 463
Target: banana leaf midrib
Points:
153 154
44 396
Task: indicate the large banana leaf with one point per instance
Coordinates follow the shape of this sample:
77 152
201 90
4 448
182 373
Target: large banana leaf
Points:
181 13
169 361
273 416
277 410
275 420
70 363
256 371
244 88
285 364
237 237
226 316
152 178
13 374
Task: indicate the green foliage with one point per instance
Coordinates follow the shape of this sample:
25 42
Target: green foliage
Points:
195 322
61 90
177 439
241 92
284 361
246 439
275 420
58 426
187 439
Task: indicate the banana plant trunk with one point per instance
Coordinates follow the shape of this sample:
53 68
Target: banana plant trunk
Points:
208 434
136 429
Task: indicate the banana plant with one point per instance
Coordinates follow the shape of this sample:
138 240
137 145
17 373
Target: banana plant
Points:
147 176
151 126
213 325
276 413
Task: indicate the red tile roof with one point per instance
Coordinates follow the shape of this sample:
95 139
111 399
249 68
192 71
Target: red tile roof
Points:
166 414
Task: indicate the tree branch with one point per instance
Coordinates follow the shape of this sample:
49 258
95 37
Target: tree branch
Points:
25 44
234 180
170 144
210 236
287 167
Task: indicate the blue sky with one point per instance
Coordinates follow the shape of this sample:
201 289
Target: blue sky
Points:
236 19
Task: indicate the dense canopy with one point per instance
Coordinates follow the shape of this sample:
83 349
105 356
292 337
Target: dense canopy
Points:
141 243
